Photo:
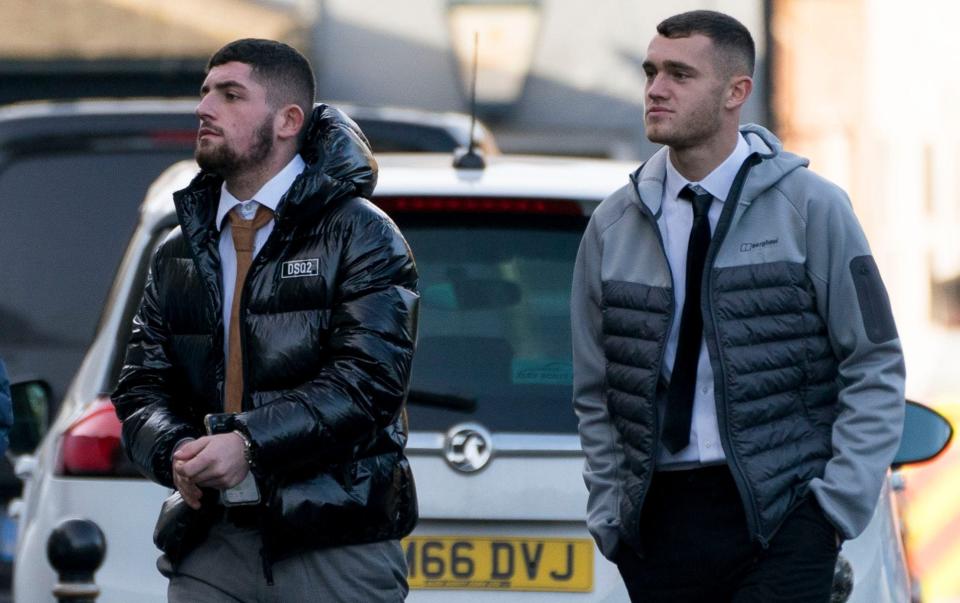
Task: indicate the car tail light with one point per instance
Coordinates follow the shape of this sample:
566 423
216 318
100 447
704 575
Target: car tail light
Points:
498 205
177 138
90 446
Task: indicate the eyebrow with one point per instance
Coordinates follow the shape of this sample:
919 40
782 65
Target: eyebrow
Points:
222 85
671 66
678 65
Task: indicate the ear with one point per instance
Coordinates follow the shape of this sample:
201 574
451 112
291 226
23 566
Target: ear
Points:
289 122
738 91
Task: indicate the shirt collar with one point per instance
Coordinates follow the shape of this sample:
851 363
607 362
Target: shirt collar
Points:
718 182
269 194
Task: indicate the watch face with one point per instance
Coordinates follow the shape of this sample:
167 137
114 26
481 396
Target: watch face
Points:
247 448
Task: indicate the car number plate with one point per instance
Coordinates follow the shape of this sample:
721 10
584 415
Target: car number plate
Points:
471 562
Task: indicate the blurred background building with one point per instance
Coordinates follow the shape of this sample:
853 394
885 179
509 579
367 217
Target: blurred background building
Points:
867 89
555 76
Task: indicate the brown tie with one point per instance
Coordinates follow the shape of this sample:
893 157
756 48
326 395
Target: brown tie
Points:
244 232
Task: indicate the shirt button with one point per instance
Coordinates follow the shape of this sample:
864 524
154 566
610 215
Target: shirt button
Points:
705 389
709 444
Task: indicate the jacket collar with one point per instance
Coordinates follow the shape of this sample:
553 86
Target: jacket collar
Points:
774 164
269 194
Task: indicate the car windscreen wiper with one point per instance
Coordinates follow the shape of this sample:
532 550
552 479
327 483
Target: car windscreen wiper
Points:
441 400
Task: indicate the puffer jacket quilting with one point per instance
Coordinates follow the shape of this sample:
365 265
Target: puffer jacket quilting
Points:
636 320
326 356
780 383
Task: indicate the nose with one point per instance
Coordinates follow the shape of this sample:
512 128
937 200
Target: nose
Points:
204 108
656 87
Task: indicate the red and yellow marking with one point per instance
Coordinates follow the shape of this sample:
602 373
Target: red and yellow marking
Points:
932 513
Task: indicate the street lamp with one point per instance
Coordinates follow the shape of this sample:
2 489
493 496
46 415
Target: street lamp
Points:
507 33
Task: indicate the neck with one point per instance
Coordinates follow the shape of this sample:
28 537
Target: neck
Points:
244 184
696 162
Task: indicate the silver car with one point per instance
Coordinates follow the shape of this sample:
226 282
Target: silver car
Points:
493 444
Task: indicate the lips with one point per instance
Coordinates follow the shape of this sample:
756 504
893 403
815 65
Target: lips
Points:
207 131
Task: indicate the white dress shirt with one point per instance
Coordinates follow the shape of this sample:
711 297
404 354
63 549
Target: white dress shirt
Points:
704 447
269 195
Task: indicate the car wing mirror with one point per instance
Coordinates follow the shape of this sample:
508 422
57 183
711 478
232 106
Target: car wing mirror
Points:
926 433
31 415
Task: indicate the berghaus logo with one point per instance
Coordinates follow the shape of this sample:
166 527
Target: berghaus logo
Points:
745 247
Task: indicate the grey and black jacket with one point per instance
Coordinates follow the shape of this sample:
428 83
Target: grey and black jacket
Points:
809 373
327 354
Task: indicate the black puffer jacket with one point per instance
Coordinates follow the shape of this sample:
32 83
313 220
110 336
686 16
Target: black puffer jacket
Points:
327 353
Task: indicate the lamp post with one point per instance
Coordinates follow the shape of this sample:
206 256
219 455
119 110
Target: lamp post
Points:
507 31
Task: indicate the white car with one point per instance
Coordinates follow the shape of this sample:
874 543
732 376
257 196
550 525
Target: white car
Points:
493 443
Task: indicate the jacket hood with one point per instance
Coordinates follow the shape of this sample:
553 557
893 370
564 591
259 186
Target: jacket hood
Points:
339 162
773 164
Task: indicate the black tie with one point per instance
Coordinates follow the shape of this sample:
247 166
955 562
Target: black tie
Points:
683 381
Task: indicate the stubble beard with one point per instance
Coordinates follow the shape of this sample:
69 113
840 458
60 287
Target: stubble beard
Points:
701 125
226 162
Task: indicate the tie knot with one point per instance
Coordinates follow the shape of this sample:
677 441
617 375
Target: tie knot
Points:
244 230
699 198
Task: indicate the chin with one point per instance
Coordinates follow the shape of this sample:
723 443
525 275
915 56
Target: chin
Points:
657 135
208 161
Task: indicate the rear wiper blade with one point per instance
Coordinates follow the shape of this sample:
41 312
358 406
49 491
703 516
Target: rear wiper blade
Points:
440 400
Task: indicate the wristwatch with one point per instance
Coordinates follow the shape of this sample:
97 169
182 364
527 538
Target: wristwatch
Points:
247 447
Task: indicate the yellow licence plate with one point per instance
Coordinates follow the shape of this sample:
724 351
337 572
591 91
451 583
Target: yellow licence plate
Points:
471 562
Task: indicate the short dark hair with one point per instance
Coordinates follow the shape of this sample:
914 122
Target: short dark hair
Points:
284 72
727 34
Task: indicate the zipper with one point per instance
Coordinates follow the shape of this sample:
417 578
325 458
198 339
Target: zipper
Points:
267 567
723 225
209 246
217 300
645 211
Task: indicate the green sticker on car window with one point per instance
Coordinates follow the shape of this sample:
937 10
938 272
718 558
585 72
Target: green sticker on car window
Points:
540 371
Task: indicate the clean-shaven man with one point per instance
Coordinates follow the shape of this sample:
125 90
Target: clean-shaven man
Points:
738 376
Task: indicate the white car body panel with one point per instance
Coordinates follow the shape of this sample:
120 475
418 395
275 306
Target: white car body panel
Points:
877 556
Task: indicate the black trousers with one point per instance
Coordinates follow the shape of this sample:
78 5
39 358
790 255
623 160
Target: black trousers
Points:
698 550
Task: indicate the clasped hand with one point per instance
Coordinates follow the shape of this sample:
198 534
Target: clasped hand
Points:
214 461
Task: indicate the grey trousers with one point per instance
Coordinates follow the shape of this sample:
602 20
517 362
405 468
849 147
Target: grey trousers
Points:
227 568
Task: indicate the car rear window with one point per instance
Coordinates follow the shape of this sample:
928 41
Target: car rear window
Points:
494 330
494 337
66 218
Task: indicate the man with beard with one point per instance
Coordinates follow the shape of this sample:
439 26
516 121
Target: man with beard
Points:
269 362
738 375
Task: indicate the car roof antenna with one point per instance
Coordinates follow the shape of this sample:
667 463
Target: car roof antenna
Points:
471 159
